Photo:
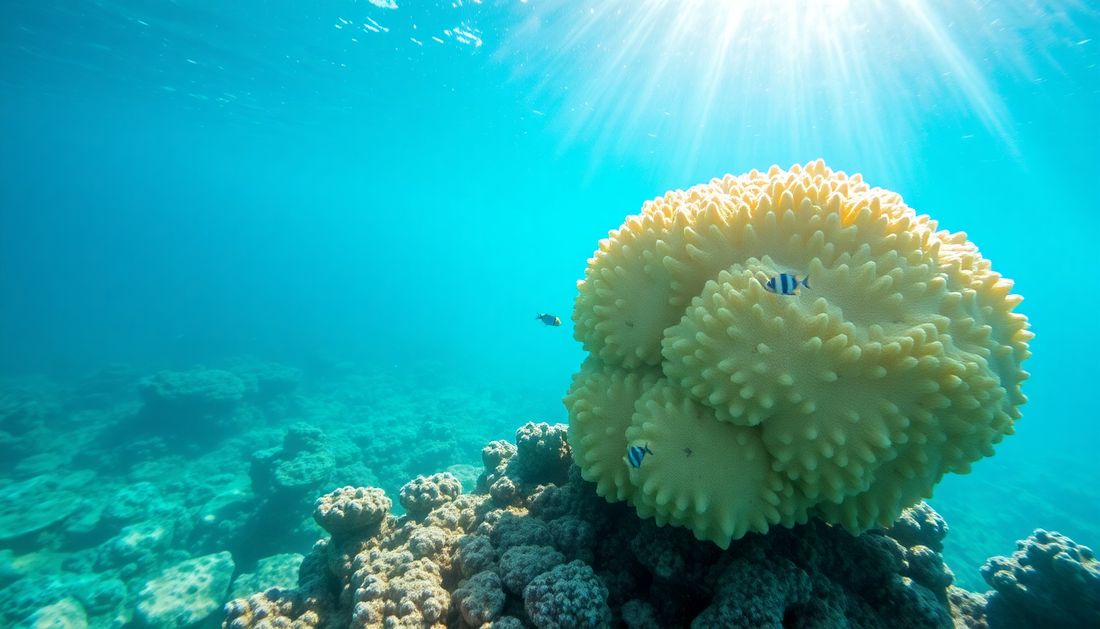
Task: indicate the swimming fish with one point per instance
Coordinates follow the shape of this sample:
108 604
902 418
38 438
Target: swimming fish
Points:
635 454
784 284
548 319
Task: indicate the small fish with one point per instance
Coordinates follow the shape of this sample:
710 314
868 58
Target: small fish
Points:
548 319
784 284
635 454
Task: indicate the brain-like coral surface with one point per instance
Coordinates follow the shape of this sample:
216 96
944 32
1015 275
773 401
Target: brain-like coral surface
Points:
275 608
351 509
480 599
920 525
424 493
544 452
570 596
789 343
519 565
186 593
754 595
1049 582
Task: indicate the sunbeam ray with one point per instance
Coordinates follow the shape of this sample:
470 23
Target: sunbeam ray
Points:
767 76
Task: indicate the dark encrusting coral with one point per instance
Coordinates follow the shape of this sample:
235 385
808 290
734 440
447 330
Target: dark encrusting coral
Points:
534 546
1031 588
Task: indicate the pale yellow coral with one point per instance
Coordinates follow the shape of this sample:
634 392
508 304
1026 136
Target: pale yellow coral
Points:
689 443
602 403
852 397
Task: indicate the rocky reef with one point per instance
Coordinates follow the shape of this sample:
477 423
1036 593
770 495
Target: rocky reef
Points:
1033 586
358 502
524 551
149 497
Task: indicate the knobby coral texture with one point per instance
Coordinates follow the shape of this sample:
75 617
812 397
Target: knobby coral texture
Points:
1029 586
555 555
785 344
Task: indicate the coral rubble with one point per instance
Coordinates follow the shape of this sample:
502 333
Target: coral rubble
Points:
185 593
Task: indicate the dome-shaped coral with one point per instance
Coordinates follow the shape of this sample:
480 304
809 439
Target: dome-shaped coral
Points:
351 509
424 493
848 397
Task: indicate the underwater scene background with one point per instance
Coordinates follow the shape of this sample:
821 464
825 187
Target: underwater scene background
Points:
337 221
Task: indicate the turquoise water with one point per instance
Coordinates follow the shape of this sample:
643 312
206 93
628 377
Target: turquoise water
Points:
383 195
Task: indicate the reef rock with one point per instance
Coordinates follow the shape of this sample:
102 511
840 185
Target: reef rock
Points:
198 391
186 593
64 614
1049 582
559 556
264 381
29 506
543 452
570 596
302 464
351 509
424 493
481 598
277 571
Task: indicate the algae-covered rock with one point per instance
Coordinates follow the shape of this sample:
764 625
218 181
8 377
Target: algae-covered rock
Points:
9 572
277 571
480 599
227 503
42 463
99 593
64 614
303 463
20 599
186 593
303 437
424 493
351 509
140 544
570 596
264 381
198 390
132 503
32 505
1049 581
307 470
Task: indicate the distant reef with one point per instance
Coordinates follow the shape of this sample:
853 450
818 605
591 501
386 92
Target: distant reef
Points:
118 488
356 501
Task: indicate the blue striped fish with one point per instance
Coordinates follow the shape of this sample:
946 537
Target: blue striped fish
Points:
635 454
784 284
